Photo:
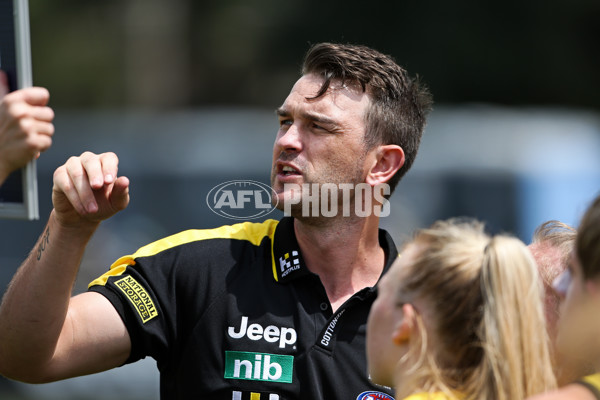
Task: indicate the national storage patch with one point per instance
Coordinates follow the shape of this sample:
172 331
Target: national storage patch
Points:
139 298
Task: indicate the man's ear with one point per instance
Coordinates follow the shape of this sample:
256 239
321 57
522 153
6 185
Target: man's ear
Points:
389 159
405 327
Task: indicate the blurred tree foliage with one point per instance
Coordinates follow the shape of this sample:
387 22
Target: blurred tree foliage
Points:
178 53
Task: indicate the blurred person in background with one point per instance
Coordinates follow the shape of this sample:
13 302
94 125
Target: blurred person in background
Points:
551 246
26 127
460 316
579 326
274 310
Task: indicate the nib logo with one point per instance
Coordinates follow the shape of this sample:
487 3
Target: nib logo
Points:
258 366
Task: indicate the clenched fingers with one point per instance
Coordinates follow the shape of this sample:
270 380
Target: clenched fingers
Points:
100 169
26 123
78 188
89 183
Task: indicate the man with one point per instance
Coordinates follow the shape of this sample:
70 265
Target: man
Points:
25 126
273 310
579 327
551 246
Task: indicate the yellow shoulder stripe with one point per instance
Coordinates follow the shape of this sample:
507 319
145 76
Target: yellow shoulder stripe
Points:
250 231
593 380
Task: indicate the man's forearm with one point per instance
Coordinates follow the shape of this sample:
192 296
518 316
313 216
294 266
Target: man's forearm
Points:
35 305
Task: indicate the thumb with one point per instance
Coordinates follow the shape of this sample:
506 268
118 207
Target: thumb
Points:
36 96
120 193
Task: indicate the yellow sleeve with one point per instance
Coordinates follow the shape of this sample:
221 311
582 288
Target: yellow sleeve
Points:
592 382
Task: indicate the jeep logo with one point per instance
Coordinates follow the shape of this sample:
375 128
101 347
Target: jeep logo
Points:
272 334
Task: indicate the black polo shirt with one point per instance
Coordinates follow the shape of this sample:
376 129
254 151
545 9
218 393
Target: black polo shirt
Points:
233 313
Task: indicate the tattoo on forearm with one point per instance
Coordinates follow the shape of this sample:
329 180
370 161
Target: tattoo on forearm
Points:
43 242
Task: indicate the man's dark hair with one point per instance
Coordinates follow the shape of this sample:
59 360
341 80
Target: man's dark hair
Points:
588 241
399 103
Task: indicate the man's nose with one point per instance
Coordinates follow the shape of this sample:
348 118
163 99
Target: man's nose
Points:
290 140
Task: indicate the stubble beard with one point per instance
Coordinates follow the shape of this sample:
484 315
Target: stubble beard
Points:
296 209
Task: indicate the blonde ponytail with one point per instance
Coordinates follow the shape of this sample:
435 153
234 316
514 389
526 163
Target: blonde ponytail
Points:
486 337
516 361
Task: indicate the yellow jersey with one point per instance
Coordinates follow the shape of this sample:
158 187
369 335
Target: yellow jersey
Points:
592 382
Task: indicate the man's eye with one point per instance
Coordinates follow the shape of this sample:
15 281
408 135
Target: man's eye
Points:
285 122
319 127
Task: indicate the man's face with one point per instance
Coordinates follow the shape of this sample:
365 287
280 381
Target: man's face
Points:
320 140
578 339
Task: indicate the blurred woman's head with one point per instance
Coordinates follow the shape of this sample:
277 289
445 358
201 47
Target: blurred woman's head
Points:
461 312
